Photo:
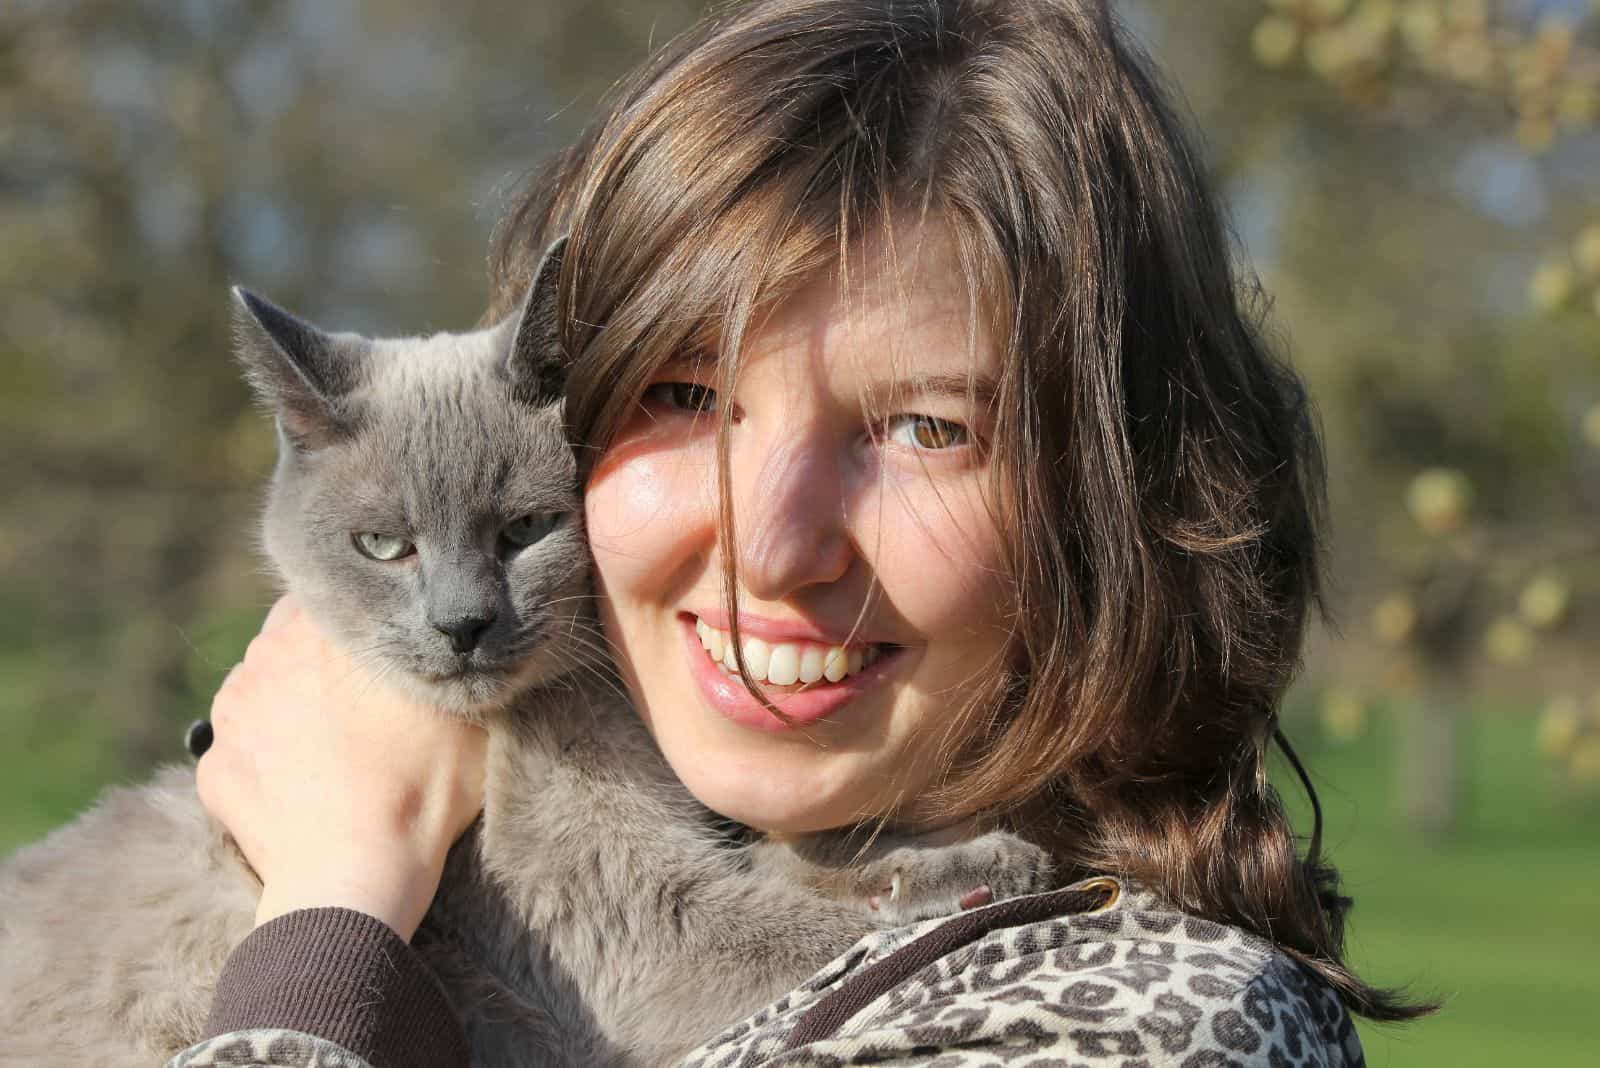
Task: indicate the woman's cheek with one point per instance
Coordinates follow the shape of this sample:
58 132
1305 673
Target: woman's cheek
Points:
938 556
646 509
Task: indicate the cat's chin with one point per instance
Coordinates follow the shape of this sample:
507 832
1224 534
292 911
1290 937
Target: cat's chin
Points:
477 694
472 695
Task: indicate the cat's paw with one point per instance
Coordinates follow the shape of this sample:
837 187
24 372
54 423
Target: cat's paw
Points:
911 881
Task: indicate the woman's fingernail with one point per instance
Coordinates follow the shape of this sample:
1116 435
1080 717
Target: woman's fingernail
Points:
981 896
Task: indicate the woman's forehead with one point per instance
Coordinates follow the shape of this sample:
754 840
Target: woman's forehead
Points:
927 332
910 321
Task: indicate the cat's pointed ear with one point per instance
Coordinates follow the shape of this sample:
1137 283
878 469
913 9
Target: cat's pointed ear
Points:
302 372
537 364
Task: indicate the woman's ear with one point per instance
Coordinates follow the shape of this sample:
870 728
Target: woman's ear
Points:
303 373
537 364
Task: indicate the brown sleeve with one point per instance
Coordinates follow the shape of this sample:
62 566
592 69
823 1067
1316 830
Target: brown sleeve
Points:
342 976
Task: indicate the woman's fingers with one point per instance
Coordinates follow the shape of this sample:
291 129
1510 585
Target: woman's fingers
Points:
338 789
284 610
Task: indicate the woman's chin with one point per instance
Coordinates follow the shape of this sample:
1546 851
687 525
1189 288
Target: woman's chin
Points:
779 799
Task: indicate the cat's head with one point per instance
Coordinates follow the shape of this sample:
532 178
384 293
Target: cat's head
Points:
425 506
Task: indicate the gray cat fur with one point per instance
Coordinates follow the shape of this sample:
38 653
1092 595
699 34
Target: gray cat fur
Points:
594 916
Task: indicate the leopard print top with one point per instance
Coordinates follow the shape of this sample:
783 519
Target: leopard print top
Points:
1133 984
1136 984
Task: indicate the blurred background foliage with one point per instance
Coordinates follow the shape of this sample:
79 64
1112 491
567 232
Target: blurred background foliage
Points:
1416 183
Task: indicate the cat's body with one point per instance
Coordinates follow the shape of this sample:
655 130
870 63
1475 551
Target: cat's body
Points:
594 916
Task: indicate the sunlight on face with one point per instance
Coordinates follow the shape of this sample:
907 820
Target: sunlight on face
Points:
858 460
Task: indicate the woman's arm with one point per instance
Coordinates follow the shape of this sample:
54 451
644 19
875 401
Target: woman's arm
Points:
327 985
345 797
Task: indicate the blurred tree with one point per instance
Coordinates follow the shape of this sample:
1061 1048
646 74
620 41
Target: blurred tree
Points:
347 158
1504 100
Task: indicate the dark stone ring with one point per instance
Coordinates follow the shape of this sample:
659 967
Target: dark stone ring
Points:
197 739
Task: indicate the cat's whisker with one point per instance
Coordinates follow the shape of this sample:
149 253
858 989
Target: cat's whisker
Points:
601 648
602 669
610 684
589 595
593 661
577 630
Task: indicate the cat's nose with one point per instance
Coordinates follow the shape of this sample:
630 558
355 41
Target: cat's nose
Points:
464 632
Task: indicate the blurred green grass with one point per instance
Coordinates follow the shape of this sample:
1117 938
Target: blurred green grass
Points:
46 776
1502 924
60 754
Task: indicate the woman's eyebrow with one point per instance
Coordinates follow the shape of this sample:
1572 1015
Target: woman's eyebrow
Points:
979 389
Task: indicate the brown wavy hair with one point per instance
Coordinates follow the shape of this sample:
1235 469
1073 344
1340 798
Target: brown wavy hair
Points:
1163 469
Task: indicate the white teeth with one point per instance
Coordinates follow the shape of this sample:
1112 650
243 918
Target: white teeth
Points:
757 656
811 663
784 663
835 664
784 667
711 638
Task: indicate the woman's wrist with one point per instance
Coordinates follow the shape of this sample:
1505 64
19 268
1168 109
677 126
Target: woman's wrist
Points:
394 894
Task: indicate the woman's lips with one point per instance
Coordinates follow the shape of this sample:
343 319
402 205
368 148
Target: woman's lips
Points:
803 704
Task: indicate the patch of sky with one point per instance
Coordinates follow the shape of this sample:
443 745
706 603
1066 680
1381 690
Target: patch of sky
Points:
205 20
1502 283
492 192
401 69
1571 10
265 238
128 88
382 250
1574 164
519 123
329 29
122 79
266 77
1137 18
1255 203
500 178
167 212
1501 181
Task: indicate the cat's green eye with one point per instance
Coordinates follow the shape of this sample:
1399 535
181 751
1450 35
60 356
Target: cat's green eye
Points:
383 546
521 533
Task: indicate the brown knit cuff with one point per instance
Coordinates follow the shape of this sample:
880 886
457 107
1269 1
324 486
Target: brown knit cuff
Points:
342 976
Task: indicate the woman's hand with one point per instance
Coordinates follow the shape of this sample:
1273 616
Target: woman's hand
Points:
340 790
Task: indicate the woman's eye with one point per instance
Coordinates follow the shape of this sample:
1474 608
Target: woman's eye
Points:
383 546
684 396
521 533
927 432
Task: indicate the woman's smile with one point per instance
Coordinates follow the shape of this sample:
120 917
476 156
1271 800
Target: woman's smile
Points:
806 679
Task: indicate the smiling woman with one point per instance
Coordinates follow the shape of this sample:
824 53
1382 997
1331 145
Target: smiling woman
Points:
858 470
1088 605
937 480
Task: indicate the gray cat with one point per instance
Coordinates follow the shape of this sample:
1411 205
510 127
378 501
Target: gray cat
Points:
595 916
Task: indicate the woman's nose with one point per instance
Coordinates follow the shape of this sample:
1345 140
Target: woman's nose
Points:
790 525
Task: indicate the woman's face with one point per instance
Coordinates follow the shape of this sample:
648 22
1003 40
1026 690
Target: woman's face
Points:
858 463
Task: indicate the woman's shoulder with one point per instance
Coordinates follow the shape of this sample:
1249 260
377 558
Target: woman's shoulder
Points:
1131 982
